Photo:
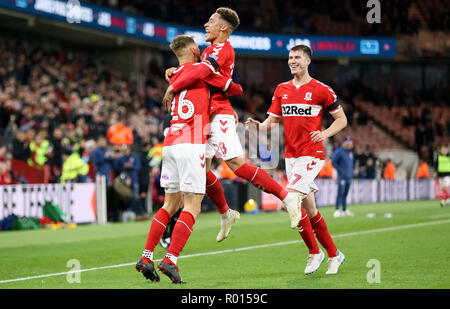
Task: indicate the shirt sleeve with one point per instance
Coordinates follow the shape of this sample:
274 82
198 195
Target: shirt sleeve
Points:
275 108
331 103
196 73
219 55
219 81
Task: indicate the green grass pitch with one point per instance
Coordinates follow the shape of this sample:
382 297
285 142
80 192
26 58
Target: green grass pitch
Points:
411 250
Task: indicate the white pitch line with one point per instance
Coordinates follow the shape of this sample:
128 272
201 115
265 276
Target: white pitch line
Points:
439 216
387 229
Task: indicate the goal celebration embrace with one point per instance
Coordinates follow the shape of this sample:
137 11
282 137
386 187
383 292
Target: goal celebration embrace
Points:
299 103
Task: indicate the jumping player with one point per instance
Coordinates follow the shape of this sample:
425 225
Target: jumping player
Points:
218 58
300 103
184 162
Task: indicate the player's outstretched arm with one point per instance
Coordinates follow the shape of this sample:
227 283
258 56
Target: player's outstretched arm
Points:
225 84
268 124
339 123
196 73
219 81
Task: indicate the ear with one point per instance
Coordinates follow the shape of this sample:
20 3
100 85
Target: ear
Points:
194 50
225 27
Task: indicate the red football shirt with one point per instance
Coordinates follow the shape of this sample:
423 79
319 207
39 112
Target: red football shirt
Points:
190 112
222 56
301 110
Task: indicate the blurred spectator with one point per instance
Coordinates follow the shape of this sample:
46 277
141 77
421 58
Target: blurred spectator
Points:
72 139
343 162
370 169
423 170
122 185
3 153
155 152
39 149
5 175
225 172
20 147
327 170
389 170
129 164
74 169
365 155
56 154
120 134
97 127
362 173
102 158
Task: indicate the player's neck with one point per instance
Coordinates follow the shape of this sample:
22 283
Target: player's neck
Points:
301 80
221 38
184 60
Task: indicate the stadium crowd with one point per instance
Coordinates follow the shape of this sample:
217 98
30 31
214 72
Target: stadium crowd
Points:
417 117
58 106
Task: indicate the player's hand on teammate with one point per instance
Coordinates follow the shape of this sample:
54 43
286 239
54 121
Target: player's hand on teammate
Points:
169 73
168 97
235 90
318 136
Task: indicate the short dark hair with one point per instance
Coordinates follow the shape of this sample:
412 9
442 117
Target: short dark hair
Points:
180 42
230 16
305 48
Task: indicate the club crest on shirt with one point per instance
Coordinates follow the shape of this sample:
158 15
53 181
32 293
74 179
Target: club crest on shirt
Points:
308 96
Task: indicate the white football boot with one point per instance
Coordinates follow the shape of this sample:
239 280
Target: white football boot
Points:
226 222
348 213
293 204
334 263
314 261
337 213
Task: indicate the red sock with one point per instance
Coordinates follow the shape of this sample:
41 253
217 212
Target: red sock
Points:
444 194
306 231
261 179
321 230
215 193
181 233
157 228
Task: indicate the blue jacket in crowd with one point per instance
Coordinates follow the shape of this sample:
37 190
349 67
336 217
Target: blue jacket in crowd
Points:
342 161
102 162
133 171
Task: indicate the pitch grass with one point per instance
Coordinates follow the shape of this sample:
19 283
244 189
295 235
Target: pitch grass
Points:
417 256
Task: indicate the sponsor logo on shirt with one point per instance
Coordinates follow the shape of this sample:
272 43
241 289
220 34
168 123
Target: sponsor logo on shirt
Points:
305 110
